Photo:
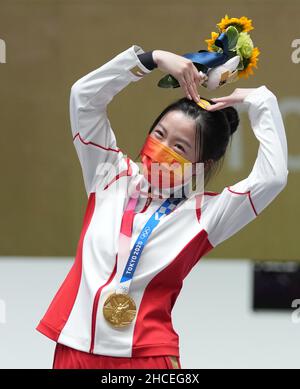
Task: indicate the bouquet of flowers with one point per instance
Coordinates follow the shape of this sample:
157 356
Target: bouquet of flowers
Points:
230 55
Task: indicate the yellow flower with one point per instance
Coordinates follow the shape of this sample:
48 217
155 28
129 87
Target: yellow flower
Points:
211 42
242 24
252 63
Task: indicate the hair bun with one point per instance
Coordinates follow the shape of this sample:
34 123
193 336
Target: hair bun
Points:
232 117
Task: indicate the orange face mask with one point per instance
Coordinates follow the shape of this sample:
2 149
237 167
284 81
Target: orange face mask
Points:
163 166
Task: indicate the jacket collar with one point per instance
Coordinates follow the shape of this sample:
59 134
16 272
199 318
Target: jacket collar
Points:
178 191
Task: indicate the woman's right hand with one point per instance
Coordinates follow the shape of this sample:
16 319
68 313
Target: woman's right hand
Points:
182 69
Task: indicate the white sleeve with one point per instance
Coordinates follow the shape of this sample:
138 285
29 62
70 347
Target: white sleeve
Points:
93 137
238 204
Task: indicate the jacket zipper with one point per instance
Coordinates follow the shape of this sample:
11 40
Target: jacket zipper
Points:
95 306
97 296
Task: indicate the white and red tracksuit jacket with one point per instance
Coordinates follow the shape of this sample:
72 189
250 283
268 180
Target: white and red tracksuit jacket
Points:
74 317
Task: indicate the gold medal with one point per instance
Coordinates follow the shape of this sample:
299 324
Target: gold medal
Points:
119 309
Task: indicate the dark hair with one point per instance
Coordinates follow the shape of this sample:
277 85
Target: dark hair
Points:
213 131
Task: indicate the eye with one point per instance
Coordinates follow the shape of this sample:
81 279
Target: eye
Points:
159 132
180 147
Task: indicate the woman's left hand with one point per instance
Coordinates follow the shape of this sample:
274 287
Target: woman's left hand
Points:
237 96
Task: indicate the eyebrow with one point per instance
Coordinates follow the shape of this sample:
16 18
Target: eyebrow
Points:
180 139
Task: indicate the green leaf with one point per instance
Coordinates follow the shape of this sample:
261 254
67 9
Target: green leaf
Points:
232 35
231 54
168 81
215 48
240 65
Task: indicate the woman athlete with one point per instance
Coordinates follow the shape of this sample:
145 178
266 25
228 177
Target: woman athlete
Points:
140 236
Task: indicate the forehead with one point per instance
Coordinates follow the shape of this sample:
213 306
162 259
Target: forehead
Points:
178 122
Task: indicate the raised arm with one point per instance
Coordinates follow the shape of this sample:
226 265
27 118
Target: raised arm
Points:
93 137
238 204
